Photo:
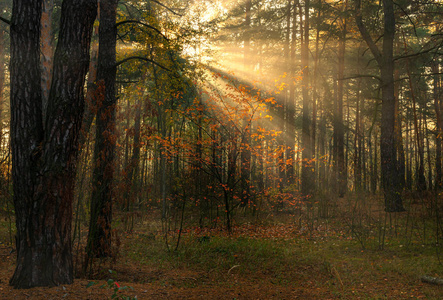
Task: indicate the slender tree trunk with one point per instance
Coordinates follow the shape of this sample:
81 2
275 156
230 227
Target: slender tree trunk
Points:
338 126
357 144
133 169
245 156
290 120
428 152
439 127
408 158
93 92
2 74
315 96
398 131
307 176
99 237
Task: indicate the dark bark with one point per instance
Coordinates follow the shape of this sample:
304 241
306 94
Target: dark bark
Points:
398 131
338 124
389 169
439 126
245 156
2 73
357 144
307 176
290 120
47 46
44 162
93 92
99 237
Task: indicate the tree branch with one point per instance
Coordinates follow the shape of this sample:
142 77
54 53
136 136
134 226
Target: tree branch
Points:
143 24
169 9
365 34
407 15
415 54
141 58
361 76
5 20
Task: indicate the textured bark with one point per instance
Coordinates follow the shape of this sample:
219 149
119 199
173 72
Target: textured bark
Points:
44 162
93 92
389 169
99 238
47 49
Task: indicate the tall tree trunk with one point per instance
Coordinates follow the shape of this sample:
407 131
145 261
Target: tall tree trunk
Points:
428 151
408 158
307 176
93 92
291 38
315 96
245 156
44 161
2 73
389 169
439 126
132 168
398 131
338 124
357 144
99 236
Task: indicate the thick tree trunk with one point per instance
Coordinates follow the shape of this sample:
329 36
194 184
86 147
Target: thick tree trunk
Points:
99 237
44 162
389 169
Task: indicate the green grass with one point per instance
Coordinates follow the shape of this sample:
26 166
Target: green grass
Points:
336 264
219 254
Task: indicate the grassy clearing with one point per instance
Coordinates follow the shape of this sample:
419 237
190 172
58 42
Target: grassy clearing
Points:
356 254
337 264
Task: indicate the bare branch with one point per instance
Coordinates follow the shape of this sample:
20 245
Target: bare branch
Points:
141 58
365 34
143 24
169 9
5 20
362 76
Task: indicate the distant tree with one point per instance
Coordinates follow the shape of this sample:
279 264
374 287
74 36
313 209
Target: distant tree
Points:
307 174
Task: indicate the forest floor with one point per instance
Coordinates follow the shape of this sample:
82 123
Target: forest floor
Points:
279 259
